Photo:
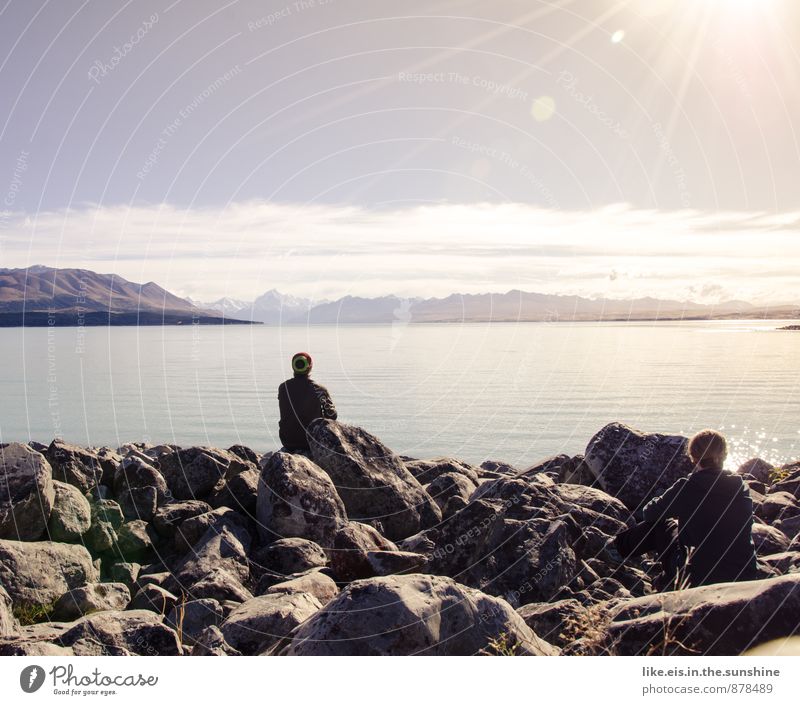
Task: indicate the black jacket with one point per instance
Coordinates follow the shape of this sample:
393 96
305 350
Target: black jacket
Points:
715 517
301 400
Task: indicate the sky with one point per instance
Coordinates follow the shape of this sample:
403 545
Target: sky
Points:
615 148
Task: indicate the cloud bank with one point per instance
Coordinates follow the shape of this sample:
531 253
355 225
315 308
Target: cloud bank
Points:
325 251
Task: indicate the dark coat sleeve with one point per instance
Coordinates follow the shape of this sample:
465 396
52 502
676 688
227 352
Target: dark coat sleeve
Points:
285 411
326 405
667 505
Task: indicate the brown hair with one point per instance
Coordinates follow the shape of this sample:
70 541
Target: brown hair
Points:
708 449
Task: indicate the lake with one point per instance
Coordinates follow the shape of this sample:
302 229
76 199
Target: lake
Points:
510 391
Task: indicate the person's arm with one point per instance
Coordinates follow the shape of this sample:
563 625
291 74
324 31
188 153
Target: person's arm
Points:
285 410
326 405
666 505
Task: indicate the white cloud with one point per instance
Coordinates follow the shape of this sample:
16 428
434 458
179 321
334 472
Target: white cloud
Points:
432 250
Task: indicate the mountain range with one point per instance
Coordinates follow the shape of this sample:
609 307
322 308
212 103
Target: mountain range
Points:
41 295
515 305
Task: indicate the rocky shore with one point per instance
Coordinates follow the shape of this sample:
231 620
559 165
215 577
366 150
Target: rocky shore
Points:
352 549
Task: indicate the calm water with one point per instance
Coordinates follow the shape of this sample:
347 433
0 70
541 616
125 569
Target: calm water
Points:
516 392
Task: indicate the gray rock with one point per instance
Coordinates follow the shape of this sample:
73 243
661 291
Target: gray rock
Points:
8 623
313 582
26 492
125 573
719 620
396 562
135 540
110 633
222 547
760 469
71 515
297 499
786 562
769 540
426 471
39 573
413 614
192 530
559 623
155 599
192 473
293 555
372 481
86 599
220 585
240 493
211 642
778 505
634 466
448 485
107 510
100 538
487 547
259 623
169 517
349 555
191 619
78 466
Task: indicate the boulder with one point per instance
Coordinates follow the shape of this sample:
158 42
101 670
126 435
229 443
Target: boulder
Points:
349 555
721 620
39 573
8 623
138 632
559 623
786 562
222 547
26 492
139 487
169 517
192 473
426 471
71 516
195 528
240 493
86 599
634 466
293 555
259 623
778 505
769 540
80 467
190 619
297 499
313 582
396 562
760 469
220 585
413 614
124 572
790 484
211 642
448 485
372 481
135 540
154 598
487 547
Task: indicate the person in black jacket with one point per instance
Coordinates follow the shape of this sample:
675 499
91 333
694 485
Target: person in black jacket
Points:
702 522
301 400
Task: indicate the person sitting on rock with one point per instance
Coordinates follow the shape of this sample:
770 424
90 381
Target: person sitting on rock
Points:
701 526
301 400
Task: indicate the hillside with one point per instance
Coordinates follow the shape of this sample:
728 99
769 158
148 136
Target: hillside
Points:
32 295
